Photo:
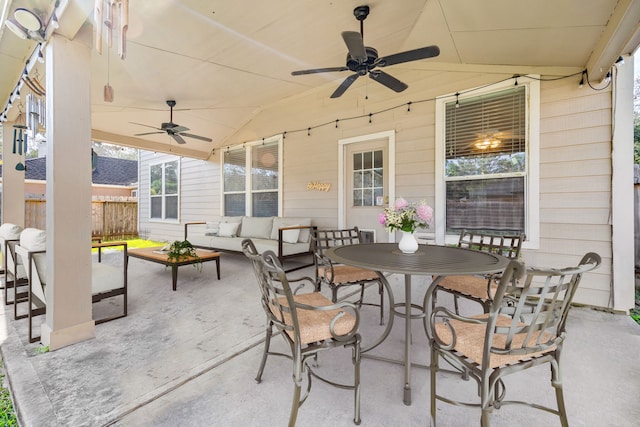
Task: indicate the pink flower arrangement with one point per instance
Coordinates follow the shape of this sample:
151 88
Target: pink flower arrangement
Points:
406 216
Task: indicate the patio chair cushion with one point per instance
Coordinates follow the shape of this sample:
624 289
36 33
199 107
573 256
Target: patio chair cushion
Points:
33 239
315 325
470 339
348 274
10 231
474 286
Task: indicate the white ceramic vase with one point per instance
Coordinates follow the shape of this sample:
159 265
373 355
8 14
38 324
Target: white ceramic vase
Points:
408 243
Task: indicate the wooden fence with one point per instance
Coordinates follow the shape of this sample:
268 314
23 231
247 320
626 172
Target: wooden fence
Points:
110 219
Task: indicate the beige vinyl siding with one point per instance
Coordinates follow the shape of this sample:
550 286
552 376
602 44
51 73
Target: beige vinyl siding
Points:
199 196
575 183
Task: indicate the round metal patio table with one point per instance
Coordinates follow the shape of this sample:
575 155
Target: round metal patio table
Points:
432 260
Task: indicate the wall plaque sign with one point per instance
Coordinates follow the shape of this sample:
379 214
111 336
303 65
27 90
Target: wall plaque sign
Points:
319 186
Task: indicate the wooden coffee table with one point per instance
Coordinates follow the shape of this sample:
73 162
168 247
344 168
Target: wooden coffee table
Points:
155 255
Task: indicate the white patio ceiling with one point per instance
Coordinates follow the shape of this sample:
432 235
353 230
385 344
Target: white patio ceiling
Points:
224 61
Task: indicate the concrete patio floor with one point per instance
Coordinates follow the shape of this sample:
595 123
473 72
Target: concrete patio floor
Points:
189 358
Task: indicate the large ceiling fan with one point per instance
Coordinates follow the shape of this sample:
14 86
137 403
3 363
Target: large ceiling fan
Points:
172 129
364 60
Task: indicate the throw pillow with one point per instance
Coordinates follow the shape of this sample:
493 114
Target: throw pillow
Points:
212 228
228 229
291 236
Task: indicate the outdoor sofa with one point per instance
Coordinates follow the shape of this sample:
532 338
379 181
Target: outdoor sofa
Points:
288 237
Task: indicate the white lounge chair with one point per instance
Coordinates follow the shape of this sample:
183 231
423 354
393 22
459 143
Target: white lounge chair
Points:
107 281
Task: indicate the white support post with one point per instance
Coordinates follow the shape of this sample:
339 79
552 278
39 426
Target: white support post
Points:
622 209
68 291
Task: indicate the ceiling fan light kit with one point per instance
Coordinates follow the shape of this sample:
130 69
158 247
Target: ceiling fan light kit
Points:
363 60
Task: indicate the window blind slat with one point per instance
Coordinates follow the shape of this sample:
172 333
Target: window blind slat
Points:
488 125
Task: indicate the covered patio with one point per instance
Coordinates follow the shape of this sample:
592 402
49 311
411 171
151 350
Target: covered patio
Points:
190 357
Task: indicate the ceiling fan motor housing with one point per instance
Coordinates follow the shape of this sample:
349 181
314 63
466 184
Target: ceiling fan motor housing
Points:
362 68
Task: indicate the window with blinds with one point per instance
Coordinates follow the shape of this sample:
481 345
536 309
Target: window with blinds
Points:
485 161
264 179
235 182
251 180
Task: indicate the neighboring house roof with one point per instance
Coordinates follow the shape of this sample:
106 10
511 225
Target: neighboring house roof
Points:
108 171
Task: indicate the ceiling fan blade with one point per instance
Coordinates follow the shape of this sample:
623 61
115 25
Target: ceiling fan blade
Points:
345 85
409 55
354 43
147 126
178 138
147 133
318 70
201 138
388 80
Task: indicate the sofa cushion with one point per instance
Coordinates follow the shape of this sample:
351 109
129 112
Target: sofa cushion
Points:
10 231
280 222
228 229
256 227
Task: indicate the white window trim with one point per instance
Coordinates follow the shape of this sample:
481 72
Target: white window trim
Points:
160 162
532 181
248 192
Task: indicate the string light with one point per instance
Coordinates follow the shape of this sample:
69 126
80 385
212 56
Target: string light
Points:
337 120
370 115
581 84
409 106
457 100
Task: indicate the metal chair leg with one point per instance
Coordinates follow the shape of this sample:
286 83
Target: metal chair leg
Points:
267 343
434 371
295 405
356 383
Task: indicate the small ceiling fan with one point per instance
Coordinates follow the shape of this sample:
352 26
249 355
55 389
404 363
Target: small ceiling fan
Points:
172 129
364 60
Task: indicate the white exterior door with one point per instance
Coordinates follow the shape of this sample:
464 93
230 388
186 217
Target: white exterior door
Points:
366 186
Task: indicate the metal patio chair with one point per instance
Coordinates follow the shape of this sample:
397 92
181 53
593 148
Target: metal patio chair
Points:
308 322
525 327
337 276
15 277
478 288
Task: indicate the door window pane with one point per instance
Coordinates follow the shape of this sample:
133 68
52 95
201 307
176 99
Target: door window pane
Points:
368 177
